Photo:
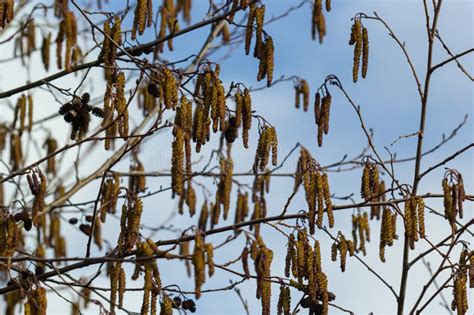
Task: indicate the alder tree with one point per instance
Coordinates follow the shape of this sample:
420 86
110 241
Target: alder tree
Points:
106 88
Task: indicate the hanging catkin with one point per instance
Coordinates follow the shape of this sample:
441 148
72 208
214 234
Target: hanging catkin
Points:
199 263
365 51
6 12
51 146
268 141
45 51
356 39
302 90
143 17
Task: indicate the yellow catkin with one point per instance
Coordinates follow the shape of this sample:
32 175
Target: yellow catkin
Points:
421 216
249 28
147 290
290 255
316 15
121 106
334 251
166 307
320 200
327 200
210 258
170 89
342 246
365 190
45 51
97 233
300 255
198 260
71 37
269 55
357 49
365 51
325 111
246 117
140 18
311 200
177 168
203 217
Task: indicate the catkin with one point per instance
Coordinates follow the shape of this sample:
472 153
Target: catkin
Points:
140 19
71 37
365 51
6 12
121 106
45 51
177 166
269 59
327 200
268 141
166 306
356 38
302 91
421 216
198 260
246 117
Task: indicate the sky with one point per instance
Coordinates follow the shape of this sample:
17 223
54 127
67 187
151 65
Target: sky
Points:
389 104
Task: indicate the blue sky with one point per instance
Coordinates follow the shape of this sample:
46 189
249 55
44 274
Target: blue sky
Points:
389 104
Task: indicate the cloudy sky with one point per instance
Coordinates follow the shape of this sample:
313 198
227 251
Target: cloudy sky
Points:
389 103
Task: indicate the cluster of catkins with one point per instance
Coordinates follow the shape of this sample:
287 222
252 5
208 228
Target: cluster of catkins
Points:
24 104
137 183
302 91
115 110
145 100
318 21
322 109
264 49
388 231
454 195
143 17
243 114
109 197
36 302
316 185
370 182
303 262
344 246
152 279
37 184
130 223
68 32
414 219
202 256
25 43
262 257
112 40
360 39
460 300
261 185
23 120
360 231
268 141
169 11
9 234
